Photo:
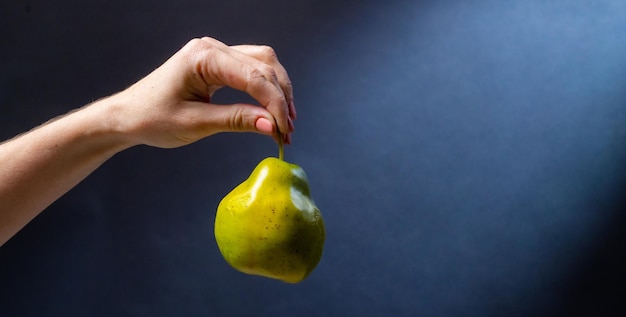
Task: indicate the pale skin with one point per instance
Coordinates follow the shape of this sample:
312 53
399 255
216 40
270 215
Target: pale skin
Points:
170 107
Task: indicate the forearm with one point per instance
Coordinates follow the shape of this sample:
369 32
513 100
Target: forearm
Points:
40 166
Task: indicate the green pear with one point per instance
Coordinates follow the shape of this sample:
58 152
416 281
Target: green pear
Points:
269 225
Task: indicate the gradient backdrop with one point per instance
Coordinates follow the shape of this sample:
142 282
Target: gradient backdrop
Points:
468 158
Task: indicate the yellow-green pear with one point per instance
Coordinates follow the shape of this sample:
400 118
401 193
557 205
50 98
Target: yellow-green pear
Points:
269 225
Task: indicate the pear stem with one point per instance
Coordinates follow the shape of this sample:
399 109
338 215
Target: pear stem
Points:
281 150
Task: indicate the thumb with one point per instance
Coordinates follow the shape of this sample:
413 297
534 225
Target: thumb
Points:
244 118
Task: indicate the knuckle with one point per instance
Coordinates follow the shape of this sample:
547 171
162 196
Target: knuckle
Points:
199 52
288 85
201 44
267 51
236 120
256 73
193 46
195 43
208 40
263 72
270 73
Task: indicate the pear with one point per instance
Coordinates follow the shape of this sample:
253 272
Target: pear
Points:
269 225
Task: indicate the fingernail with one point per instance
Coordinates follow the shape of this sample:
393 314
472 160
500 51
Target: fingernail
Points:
288 139
264 125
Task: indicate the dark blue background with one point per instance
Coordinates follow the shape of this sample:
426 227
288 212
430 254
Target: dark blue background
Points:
468 158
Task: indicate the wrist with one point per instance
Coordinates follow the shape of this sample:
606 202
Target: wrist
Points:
103 122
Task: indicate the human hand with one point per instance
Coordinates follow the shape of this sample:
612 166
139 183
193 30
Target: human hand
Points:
172 106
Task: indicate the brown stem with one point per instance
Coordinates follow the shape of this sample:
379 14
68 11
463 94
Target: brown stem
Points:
281 151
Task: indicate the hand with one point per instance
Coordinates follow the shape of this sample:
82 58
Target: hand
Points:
172 106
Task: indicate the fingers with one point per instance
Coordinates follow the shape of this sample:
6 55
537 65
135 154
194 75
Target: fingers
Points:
267 55
253 70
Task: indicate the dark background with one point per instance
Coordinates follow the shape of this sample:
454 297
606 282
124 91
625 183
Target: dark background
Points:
468 158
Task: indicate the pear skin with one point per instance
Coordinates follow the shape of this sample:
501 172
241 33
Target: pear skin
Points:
269 225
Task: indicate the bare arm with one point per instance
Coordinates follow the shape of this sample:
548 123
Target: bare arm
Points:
168 108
